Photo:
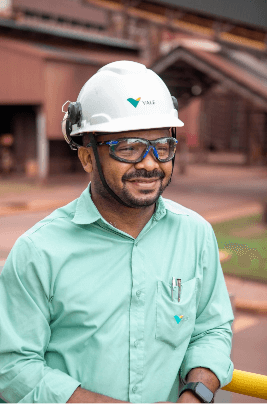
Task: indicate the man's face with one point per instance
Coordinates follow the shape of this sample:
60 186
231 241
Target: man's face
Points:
137 184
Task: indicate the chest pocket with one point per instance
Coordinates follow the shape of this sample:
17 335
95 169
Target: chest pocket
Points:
169 329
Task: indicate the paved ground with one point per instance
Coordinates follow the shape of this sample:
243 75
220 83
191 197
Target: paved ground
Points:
206 189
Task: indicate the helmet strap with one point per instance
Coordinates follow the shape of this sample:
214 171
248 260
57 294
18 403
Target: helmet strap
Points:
173 131
104 182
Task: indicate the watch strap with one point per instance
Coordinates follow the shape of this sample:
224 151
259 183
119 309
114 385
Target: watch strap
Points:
206 397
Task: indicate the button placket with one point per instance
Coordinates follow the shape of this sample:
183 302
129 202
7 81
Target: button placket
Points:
137 319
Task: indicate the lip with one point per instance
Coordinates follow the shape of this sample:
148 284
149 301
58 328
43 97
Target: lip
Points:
145 183
145 180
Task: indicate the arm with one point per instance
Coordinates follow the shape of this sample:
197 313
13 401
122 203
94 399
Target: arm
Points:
25 332
203 375
81 395
210 343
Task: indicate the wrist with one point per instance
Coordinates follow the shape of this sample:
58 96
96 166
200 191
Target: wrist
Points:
202 393
188 397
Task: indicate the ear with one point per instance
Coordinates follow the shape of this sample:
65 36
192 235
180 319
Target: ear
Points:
84 154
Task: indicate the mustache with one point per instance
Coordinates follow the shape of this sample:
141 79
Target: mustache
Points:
143 174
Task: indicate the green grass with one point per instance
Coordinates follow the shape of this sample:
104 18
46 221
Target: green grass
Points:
249 251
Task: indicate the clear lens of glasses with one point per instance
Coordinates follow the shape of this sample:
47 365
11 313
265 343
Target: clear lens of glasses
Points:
133 149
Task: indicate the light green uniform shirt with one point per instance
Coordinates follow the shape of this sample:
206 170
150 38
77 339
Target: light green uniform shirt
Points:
83 303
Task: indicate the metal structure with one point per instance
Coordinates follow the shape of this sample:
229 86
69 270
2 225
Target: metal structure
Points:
48 51
192 20
214 65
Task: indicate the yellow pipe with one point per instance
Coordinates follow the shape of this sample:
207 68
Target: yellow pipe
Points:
249 384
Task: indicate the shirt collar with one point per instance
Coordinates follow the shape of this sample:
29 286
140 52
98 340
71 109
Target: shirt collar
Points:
87 213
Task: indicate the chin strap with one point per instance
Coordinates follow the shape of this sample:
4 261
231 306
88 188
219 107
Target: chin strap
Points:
104 182
173 130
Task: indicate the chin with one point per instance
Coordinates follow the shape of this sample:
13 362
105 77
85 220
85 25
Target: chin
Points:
146 191
142 197
139 201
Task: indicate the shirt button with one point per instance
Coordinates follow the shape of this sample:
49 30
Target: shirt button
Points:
134 389
138 293
136 343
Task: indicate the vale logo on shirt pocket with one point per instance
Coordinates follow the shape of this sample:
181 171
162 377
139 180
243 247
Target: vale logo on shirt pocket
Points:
178 319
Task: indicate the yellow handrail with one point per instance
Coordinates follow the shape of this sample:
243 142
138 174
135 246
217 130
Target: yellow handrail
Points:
249 384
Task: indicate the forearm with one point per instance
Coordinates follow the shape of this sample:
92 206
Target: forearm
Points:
81 395
203 375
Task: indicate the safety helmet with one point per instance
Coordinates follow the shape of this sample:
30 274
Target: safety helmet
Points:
122 96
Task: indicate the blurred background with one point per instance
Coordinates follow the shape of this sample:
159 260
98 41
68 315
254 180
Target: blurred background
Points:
213 57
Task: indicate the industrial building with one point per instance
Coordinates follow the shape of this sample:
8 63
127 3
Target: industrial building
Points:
215 66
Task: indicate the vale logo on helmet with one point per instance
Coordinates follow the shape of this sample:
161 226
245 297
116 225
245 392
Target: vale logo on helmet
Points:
136 102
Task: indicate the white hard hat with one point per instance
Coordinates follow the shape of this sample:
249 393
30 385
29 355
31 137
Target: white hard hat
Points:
125 96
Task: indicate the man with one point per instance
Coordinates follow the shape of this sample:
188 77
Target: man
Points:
118 296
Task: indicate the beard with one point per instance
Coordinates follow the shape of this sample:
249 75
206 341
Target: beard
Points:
125 195
139 202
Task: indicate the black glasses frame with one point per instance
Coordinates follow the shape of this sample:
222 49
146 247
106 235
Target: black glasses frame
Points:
150 144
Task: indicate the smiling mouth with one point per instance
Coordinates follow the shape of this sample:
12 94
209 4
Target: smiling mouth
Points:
147 183
144 180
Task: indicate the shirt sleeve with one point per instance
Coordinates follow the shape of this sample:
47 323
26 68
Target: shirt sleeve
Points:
211 341
25 332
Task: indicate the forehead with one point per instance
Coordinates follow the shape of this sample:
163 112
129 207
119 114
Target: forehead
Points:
150 134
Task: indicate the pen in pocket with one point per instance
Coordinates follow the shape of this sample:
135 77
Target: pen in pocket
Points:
176 282
173 285
179 289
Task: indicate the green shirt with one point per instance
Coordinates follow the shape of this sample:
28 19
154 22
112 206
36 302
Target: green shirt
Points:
83 303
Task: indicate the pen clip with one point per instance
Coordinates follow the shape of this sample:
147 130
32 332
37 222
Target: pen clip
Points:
173 285
179 289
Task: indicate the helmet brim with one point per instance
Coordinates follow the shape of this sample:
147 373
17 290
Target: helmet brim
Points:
129 124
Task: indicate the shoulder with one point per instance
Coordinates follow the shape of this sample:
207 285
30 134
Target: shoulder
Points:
187 220
59 218
50 230
179 210
45 239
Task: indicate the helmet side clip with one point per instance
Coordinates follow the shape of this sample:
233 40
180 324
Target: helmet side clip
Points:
175 102
75 113
72 116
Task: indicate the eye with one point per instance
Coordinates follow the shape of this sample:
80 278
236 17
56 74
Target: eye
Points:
124 148
163 147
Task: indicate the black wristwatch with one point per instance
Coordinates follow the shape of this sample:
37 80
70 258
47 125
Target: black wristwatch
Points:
200 391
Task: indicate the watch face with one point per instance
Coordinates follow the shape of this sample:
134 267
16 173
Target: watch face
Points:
204 392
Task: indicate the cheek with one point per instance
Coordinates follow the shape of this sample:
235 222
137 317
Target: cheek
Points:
167 169
114 170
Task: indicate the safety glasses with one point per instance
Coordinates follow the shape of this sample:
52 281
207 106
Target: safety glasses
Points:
134 150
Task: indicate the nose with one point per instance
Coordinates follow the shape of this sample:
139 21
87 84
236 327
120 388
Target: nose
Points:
149 161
